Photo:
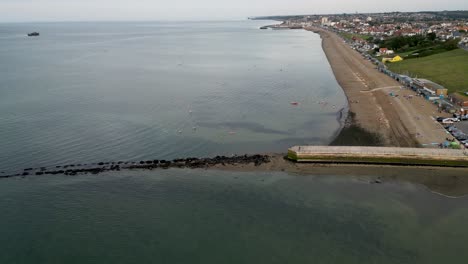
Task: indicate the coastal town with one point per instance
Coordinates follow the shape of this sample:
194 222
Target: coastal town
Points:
413 49
380 26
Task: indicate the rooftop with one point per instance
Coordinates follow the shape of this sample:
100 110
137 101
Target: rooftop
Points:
429 84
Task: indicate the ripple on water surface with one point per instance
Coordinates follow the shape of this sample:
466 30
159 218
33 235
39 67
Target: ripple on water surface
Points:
91 92
231 217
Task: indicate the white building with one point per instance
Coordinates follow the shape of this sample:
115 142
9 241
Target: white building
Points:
325 21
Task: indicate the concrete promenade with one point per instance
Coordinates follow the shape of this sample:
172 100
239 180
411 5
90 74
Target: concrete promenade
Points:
379 155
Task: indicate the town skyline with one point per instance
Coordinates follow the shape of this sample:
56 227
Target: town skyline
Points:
124 10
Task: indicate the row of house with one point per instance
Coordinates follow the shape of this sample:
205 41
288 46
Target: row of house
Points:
382 26
362 25
382 30
430 90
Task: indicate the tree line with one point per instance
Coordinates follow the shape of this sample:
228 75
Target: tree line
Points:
420 45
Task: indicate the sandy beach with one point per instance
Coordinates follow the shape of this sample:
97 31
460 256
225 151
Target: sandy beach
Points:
398 121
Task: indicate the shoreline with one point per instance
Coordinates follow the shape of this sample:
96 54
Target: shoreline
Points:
371 118
342 118
353 132
375 118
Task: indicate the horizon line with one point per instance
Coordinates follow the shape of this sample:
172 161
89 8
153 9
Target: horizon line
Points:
217 19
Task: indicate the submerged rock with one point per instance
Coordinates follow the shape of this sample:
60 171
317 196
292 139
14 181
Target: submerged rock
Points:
100 167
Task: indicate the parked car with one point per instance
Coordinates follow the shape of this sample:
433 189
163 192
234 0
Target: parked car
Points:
440 119
450 120
465 143
461 117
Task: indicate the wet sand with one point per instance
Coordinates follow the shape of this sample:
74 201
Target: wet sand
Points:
396 121
444 180
447 181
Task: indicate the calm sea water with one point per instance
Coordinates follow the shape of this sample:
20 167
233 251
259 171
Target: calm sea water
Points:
87 92
197 216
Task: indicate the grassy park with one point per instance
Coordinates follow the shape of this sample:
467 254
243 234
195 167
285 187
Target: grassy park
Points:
349 36
449 69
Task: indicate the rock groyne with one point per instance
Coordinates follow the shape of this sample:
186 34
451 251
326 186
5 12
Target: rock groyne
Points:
96 168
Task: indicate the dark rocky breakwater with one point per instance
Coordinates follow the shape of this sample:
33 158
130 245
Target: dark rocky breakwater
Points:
96 168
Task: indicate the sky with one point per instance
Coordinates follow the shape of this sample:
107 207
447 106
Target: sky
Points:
111 10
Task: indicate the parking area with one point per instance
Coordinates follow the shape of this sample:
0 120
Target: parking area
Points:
458 130
463 126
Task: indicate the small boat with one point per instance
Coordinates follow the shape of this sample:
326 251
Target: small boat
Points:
33 34
295 103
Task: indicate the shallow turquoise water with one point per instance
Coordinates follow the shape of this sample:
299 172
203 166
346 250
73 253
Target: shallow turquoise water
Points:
89 92
198 216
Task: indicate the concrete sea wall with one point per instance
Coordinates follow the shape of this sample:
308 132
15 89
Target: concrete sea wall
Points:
379 155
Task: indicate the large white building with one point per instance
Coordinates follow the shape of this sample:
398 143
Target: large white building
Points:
325 21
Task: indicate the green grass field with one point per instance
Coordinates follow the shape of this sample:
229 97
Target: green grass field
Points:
449 69
350 35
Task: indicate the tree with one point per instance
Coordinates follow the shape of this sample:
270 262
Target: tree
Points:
431 36
451 44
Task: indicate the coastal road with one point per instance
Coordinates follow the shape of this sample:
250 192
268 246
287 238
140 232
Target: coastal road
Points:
401 121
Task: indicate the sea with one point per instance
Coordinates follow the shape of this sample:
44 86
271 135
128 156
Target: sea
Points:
198 216
111 91
91 92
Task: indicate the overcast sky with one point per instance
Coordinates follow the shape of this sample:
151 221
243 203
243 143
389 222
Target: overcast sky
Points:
80 10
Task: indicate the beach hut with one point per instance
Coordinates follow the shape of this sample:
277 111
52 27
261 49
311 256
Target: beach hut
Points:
406 80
